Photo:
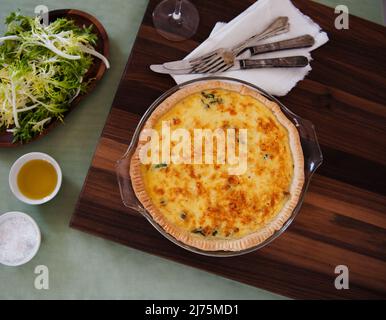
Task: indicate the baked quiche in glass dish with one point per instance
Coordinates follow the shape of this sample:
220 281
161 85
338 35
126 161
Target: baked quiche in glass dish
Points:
218 166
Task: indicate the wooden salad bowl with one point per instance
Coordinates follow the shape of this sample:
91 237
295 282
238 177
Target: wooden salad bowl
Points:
96 71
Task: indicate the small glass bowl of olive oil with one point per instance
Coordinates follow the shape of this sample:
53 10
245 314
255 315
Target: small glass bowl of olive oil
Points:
35 178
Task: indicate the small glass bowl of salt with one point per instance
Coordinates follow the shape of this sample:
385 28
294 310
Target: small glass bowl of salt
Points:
19 238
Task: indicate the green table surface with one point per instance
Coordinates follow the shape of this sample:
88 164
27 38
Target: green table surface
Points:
82 266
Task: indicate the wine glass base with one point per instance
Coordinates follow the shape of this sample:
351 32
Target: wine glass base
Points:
176 29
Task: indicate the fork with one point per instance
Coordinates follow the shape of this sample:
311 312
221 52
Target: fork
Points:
221 55
228 60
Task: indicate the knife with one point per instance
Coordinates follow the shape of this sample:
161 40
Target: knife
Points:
244 64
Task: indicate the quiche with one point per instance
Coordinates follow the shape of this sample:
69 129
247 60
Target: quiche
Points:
204 205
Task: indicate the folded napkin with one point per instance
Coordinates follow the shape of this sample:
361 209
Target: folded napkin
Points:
255 19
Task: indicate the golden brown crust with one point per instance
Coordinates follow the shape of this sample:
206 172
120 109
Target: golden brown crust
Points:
222 244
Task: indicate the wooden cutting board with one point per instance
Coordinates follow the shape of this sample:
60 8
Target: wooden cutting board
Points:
343 219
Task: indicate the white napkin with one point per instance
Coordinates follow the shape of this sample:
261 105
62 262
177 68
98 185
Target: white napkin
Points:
255 19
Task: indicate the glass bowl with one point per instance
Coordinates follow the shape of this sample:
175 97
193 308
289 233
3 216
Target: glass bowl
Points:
313 158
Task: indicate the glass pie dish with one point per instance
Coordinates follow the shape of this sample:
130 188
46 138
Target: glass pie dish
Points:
312 160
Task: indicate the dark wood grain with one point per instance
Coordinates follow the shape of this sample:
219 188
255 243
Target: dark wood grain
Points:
95 73
343 219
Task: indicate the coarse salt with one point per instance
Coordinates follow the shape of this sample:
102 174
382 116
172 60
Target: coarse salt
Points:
18 239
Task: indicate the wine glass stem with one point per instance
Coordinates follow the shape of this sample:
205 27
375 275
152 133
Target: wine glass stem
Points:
177 11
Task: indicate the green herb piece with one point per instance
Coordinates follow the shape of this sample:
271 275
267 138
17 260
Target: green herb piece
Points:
208 95
160 165
199 231
217 100
210 98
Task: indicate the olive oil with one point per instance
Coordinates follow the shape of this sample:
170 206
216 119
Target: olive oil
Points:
37 179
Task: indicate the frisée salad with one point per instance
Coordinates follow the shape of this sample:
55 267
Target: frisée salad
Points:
42 70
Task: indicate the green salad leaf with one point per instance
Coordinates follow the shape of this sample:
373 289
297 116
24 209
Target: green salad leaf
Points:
42 71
